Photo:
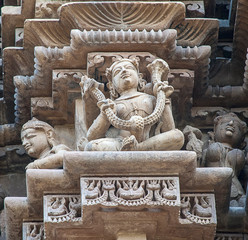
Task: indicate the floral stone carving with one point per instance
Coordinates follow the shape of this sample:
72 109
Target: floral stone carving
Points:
130 192
132 115
38 139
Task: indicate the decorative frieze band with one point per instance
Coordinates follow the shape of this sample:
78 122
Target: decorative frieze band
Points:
62 208
198 208
33 230
130 192
230 236
125 36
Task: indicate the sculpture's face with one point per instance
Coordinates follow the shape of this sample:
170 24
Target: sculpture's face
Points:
228 130
35 142
124 76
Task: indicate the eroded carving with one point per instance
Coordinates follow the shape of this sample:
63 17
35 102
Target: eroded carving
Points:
38 139
59 108
226 151
240 34
62 208
33 231
130 192
194 143
47 10
130 113
198 208
194 9
230 236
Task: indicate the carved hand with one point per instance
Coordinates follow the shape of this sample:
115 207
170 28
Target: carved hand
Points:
105 104
168 89
87 85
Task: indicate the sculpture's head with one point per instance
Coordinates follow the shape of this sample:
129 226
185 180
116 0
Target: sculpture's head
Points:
230 129
124 75
37 137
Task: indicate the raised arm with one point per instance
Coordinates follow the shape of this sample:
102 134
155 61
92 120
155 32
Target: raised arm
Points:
167 117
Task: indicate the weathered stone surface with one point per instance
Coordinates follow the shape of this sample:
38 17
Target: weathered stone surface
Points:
13 17
16 209
199 209
33 230
57 182
225 151
129 193
240 34
46 86
38 139
62 208
131 111
35 28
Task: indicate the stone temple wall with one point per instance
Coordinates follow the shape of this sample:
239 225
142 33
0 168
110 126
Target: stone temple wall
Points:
164 160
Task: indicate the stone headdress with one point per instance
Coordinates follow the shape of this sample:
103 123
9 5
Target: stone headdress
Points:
109 70
37 124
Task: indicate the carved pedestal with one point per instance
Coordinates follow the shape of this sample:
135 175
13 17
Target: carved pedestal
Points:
110 195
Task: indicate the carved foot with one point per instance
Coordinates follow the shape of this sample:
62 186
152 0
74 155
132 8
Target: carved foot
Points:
82 143
129 144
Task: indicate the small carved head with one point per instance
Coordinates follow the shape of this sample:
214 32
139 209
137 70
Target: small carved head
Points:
230 129
38 137
124 75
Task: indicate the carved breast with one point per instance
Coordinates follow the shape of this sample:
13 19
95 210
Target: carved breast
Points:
141 105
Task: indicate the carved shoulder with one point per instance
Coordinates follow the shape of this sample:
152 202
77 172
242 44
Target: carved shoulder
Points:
236 159
214 154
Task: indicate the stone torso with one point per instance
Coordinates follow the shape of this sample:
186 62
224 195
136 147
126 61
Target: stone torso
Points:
140 104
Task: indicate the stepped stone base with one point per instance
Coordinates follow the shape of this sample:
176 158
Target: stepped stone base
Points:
153 195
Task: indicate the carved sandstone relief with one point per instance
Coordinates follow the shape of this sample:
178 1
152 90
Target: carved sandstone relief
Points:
60 107
193 141
240 34
33 231
198 208
131 110
130 192
38 139
47 59
62 208
227 151
230 236
57 33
